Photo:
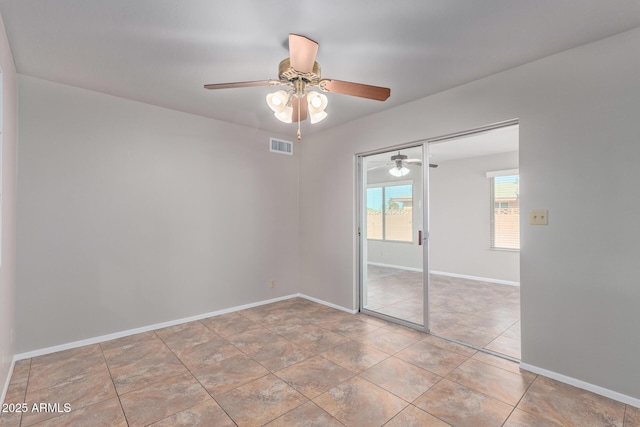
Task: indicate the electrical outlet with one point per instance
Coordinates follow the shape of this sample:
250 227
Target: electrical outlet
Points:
538 217
272 283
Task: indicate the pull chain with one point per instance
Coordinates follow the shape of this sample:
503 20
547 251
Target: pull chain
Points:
299 136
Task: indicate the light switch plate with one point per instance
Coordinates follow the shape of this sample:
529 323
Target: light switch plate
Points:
538 217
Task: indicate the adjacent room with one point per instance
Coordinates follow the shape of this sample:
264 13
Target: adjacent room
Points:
201 225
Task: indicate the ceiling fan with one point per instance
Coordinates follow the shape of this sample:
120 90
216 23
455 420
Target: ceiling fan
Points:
399 164
299 72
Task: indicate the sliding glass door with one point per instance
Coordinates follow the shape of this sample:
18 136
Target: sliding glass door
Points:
392 244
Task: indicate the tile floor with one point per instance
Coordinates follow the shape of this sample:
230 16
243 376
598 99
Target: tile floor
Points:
483 314
295 363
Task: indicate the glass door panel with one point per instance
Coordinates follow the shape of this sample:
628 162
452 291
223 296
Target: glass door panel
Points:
392 283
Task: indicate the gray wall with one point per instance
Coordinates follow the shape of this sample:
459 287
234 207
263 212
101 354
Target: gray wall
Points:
131 214
459 219
8 263
579 150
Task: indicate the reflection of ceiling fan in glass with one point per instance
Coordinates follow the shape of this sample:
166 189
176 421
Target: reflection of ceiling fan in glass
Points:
399 163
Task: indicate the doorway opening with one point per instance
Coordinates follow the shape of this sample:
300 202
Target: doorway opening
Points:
474 247
457 220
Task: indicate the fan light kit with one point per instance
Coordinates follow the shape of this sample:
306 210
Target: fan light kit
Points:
399 169
301 71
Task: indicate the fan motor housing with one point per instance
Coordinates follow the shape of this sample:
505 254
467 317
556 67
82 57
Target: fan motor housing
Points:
400 157
287 73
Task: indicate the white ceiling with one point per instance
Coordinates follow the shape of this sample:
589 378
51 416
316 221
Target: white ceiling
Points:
163 51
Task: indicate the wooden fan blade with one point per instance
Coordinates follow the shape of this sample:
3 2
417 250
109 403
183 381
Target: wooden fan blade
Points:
302 53
238 84
303 108
356 89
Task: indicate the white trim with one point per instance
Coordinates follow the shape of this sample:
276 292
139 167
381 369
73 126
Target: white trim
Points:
481 279
507 172
328 304
102 338
583 385
108 337
399 267
444 273
8 381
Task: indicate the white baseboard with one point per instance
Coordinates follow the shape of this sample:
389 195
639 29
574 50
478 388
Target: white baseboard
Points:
108 337
153 327
7 381
583 385
480 279
444 273
328 304
399 267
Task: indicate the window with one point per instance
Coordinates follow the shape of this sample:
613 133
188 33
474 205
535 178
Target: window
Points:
505 210
390 212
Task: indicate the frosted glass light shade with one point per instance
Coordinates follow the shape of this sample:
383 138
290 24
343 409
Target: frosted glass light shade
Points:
316 103
277 101
285 115
397 172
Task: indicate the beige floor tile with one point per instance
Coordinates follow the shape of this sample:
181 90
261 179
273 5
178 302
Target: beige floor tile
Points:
384 340
65 366
631 416
414 417
199 356
80 391
410 332
307 415
252 341
229 324
10 419
17 389
152 367
260 401
463 407
505 345
280 354
401 378
486 323
324 357
468 334
20 373
466 310
513 332
132 352
185 335
205 414
351 329
128 340
448 345
157 401
355 356
499 362
230 373
570 406
432 358
313 338
360 403
107 413
522 419
495 382
314 376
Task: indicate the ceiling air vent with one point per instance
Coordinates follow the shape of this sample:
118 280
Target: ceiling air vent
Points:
280 146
